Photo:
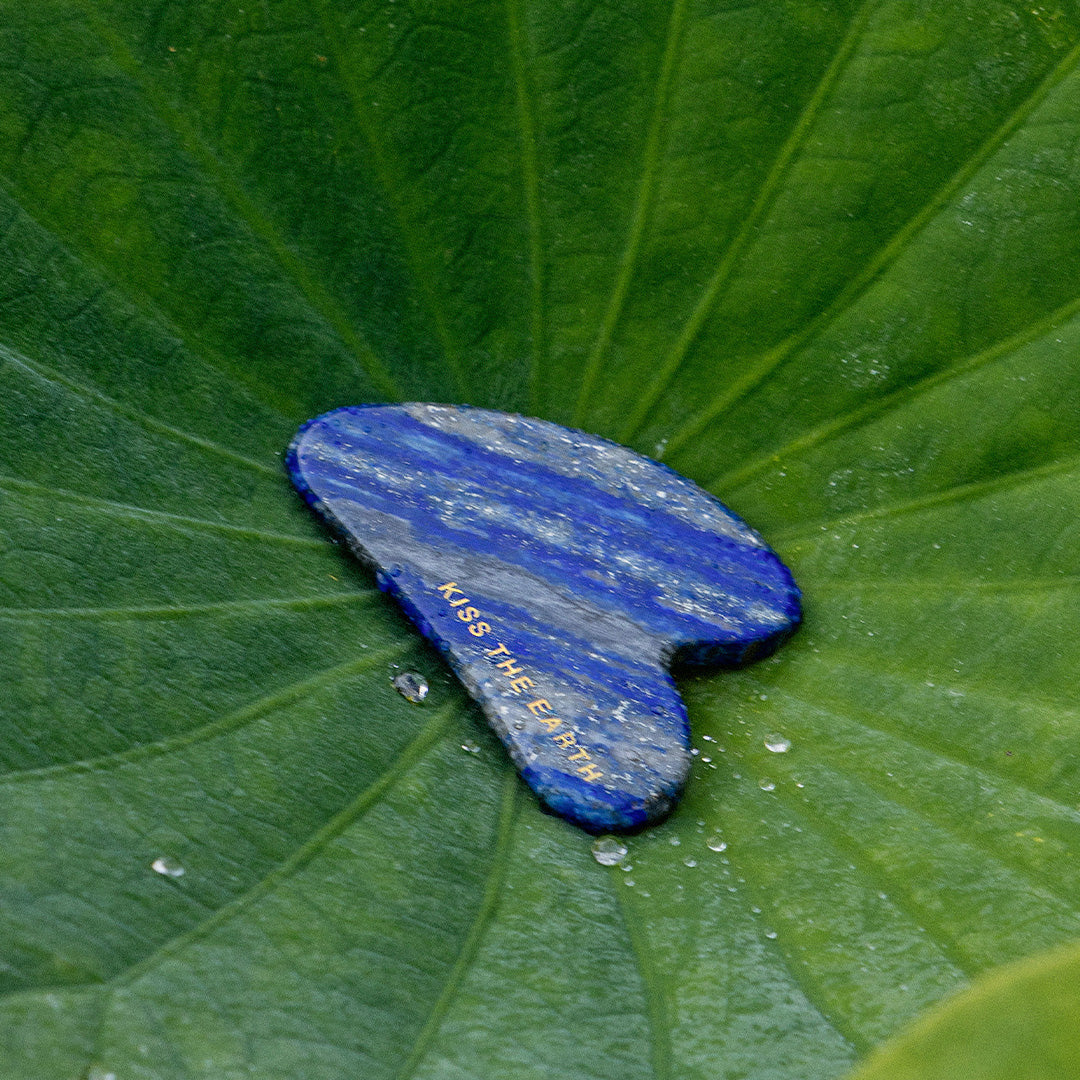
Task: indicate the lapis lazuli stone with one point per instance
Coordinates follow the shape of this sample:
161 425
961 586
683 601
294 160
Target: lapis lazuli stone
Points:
561 576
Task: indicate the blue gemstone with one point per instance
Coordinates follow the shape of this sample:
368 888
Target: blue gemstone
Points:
561 576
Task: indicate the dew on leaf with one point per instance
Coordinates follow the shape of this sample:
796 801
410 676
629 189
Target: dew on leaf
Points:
168 867
411 686
609 850
777 744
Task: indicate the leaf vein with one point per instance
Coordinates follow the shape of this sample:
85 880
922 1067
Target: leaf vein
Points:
898 892
653 982
45 374
642 208
953 586
864 415
768 362
412 243
949 753
530 170
816 531
113 508
287 695
261 225
370 797
765 199
899 895
140 301
178 611
815 994
489 903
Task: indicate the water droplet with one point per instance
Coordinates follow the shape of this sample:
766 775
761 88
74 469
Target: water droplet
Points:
771 935
470 748
689 861
411 686
168 867
628 881
675 841
97 1073
767 785
609 850
715 843
777 744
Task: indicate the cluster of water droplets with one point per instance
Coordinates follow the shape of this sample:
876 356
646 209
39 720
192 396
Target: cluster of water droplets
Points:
614 851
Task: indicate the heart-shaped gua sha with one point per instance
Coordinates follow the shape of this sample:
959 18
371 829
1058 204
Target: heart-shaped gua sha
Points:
561 575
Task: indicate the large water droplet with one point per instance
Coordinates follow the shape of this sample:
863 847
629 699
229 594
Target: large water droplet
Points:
609 850
715 843
411 686
777 744
168 867
767 785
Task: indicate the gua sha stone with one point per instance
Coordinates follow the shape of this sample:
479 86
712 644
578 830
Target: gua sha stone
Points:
561 576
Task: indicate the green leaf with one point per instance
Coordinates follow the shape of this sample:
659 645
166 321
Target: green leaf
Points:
821 258
1019 1023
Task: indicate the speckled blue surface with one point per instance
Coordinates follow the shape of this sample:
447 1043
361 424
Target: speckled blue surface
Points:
561 575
